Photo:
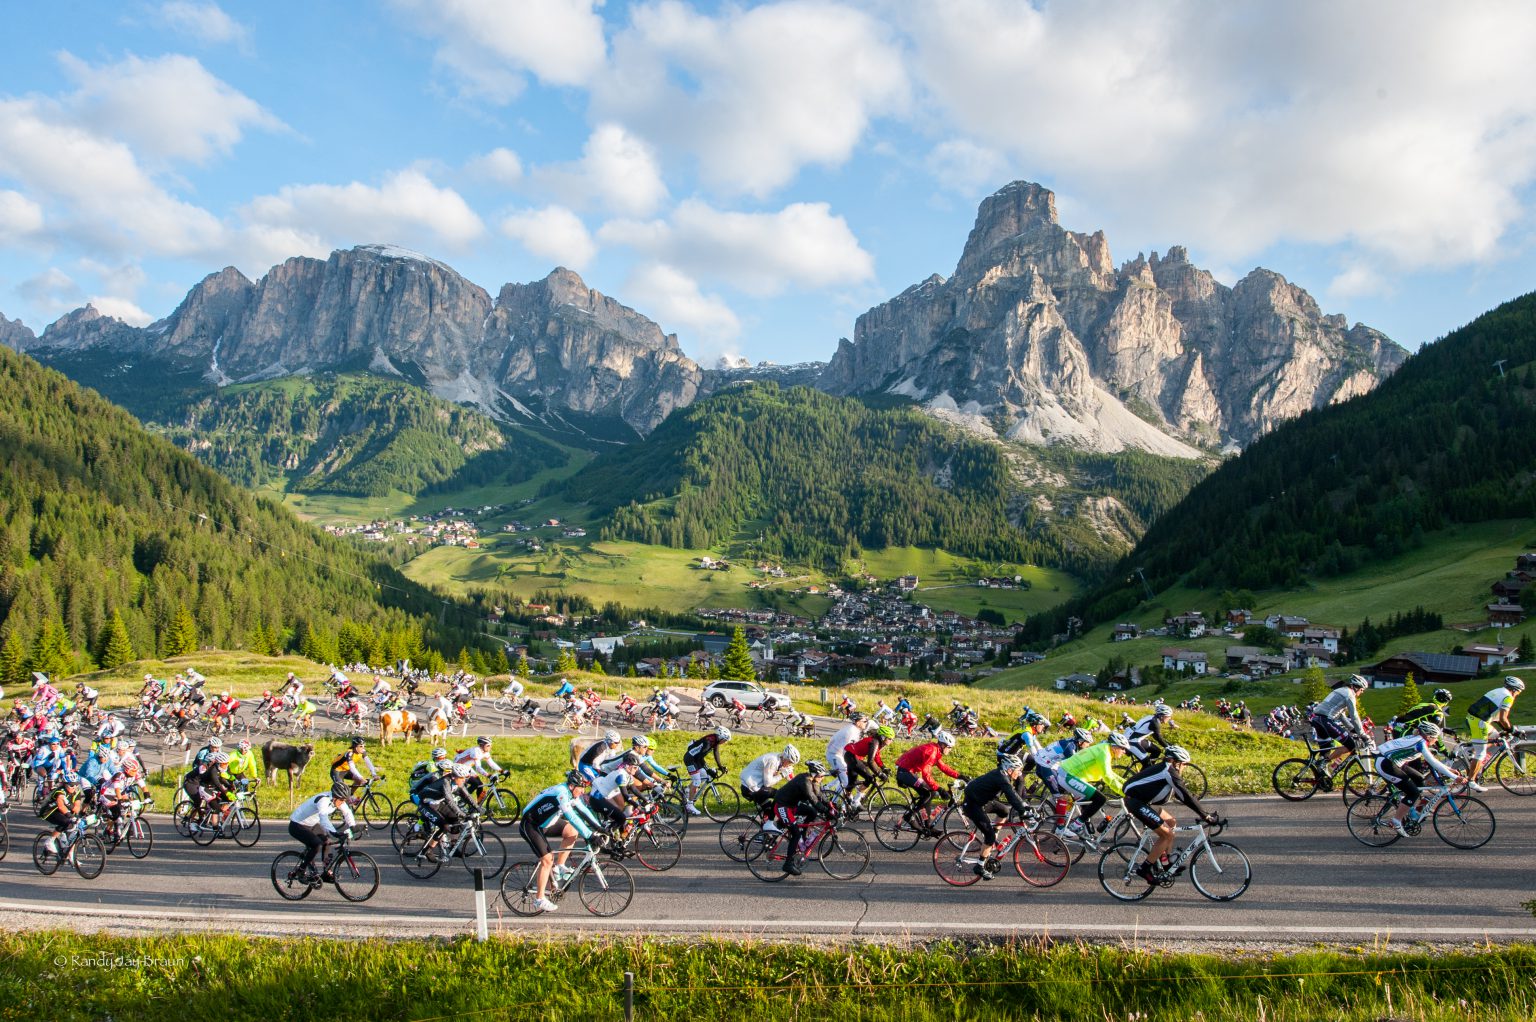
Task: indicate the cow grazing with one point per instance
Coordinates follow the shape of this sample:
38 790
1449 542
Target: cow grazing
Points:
393 723
291 759
437 728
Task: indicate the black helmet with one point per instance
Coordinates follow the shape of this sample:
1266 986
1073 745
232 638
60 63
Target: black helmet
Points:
1442 695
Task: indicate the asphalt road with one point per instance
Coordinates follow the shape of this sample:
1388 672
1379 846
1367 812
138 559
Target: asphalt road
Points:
1311 883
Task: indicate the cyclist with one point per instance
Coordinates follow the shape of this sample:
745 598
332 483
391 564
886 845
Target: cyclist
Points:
985 795
1147 790
1094 725
382 693
884 714
310 825
1488 714
63 806
223 710
693 762
304 714
1336 720
643 747
862 764
565 689
799 800
600 757
903 705
346 778
1083 774
608 791
293 689
558 805
1025 742
1398 761
437 797
849 732
1146 735
205 784
110 729
478 758
1062 748
242 770
1436 710
759 776
914 769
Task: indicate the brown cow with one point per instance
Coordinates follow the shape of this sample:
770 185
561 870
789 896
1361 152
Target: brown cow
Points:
292 759
398 722
437 728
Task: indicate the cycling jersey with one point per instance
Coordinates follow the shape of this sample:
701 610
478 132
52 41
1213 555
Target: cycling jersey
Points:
242 766
480 759
866 749
803 789
1052 754
611 784
558 803
1411 718
1092 766
765 771
1023 744
316 812
845 734
992 785
1155 783
693 756
921 759
344 767
1401 751
1488 705
1340 705
599 758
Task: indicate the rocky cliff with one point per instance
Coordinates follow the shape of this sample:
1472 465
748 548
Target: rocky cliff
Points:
16 335
1039 337
553 349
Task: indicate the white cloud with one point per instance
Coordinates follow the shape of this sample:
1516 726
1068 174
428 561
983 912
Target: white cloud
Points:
206 23
490 45
962 166
121 308
170 108
554 233
407 208
19 216
801 245
1357 280
616 169
500 166
675 301
754 94
53 292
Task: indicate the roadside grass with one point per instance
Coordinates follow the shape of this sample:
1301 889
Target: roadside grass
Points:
154 978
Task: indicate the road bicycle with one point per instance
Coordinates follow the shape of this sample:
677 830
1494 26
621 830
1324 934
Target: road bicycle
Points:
1460 820
1297 780
5 832
1512 761
78 846
842 853
236 819
508 701
605 888
872 798
424 849
1039 857
717 799
373 807
528 716
500 805
899 827
1113 826
1218 869
653 843
130 829
354 874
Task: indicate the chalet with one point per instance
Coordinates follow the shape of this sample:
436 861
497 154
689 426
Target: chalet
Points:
605 645
1184 660
1525 575
1508 590
1491 654
1191 624
1426 668
1267 664
1239 617
1311 655
1526 561
1504 614
1287 625
1322 635
907 583
1076 682
1124 632
1238 656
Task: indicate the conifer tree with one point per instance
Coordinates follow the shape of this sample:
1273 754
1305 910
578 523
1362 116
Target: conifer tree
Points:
1410 695
51 653
1314 685
523 667
565 663
13 660
738 658
116 649
181 637
1525 651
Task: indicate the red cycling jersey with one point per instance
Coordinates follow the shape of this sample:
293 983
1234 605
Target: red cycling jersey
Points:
860 750
921 759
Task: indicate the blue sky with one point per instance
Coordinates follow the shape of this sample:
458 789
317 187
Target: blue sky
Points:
754 176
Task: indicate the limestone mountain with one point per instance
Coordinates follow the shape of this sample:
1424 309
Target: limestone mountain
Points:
1038 337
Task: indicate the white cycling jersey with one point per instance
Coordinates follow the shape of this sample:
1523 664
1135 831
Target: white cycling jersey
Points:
765 771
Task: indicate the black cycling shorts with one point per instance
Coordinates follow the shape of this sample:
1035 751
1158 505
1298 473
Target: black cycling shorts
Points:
535 837
1328 733
977 813
1144 812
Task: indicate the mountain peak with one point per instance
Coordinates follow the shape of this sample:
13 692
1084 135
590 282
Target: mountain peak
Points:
1011 211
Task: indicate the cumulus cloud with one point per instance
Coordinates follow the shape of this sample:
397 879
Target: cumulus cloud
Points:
962 166
121 308
53 291
490 46
169 108
753 94
206 23
616 170
19 216
500 166
801 245
674 299
406 208
554 233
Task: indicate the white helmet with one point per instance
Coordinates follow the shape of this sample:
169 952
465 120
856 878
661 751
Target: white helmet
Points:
791 754
723 733
944 738
612 737
463 770
1514 684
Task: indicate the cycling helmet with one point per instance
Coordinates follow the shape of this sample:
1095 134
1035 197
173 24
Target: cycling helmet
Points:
71 778
576 777
611 737
885 732
1442 695
358 743
1119 741
222 695
215 742
640 742
131 769
1177 754
1162 710
790 754
149 677
1082 736
1358 683
245 744
1007 762
129 743
944 738
723 733
266 693
1429 729
816 768
222 759
630 760
484 741
439 753
1032 718
463 770
1514 684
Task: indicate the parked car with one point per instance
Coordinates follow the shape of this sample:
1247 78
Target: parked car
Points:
751 694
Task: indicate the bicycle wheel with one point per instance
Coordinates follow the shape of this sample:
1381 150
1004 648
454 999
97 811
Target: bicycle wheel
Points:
247 827
503 807
658 846
88 856
1194 779
1360 778
734 835
1367 820
376 810
518 890
1294 780
204 831
1516 772
894 829
47 862
1117 876
484 850
1464 822
719 801
1041 860
1220 871
843 854
956 857
765 856
414 858
181 816
140 838
285 877
606 889
5 838
356 876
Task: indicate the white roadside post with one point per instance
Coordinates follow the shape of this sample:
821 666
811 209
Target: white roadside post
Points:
481 933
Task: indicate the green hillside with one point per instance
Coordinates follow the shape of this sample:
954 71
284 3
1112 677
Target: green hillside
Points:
114 544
